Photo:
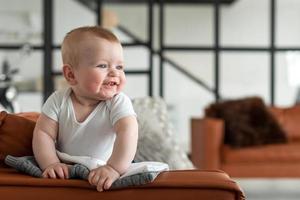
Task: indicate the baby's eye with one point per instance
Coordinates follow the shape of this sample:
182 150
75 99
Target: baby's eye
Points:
119 67
102 66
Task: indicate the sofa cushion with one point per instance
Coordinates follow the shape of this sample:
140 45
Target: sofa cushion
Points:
272 153
247 122
16 134
288 119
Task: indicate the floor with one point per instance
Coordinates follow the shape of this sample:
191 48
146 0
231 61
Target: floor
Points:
270 189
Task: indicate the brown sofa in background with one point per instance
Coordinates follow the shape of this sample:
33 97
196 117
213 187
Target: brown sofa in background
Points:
179 184
272 160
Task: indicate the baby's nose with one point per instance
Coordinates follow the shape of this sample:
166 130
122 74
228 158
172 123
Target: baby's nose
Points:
112 72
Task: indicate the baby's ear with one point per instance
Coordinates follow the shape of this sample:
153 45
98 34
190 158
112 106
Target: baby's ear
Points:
69 74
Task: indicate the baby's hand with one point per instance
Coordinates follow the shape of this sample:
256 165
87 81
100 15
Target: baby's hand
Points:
56 170
103 177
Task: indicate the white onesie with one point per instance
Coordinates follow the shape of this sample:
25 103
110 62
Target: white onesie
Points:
94 137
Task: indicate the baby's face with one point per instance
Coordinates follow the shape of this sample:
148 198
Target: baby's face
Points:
100 71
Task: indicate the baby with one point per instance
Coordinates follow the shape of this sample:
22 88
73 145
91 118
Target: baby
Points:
92 117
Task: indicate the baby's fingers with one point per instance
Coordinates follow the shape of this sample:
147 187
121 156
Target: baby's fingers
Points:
90 177
49 173
108 183
100 184
66 171
60 173
45 174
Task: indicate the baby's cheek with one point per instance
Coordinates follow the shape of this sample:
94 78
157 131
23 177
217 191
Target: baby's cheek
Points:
120 87
93 86
122 84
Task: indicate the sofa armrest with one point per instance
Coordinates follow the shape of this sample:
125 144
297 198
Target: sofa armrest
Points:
207 139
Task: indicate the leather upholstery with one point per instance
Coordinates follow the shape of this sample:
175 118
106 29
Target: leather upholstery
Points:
289 119
16 134
273 160
180 184
210 143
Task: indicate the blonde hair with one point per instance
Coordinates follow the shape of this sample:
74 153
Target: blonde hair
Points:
69 48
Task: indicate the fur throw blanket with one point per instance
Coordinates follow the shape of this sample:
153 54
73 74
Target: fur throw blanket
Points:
247 122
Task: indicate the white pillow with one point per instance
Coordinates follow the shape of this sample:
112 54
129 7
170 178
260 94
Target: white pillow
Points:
156 140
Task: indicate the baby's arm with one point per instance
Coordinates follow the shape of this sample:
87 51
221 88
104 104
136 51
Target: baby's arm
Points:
125 144
43 145
122 155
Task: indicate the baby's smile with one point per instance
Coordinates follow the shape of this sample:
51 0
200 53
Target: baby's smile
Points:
111 83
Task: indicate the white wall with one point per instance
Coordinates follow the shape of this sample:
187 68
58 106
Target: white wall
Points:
242 74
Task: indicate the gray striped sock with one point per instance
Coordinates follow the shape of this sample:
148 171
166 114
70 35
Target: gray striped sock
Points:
79 171
26 164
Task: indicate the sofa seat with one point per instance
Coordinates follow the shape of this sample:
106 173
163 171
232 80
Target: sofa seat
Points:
273 153
263 170
276 160
181 184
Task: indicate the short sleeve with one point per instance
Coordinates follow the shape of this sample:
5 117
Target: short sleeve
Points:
120 106
52 105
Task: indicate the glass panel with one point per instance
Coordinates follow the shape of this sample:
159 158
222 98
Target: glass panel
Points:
30 101
183 94
245 74
133 17
28 79
245 22
288 27
21 22
136 58
185 99
287 77
189 25
57 61
199 64
136 86
64 12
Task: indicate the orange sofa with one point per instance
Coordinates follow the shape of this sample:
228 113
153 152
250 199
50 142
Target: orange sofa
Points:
15 139
272 160
189 184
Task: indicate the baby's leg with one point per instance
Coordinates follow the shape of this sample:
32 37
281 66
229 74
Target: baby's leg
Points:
26 164
79 171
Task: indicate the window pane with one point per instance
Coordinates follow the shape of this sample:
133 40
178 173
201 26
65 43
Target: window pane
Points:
136 58
133 17
28 79
185 99
189 25
64 12
21 22
198 64
245 22
136 86
245 74
288 27
287 77
57 61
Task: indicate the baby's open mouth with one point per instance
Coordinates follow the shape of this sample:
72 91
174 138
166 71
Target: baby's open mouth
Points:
111 83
